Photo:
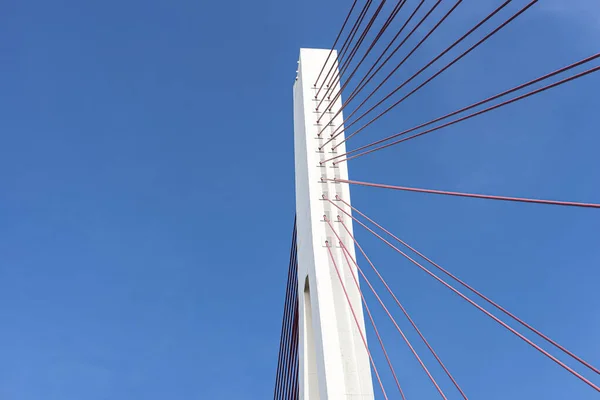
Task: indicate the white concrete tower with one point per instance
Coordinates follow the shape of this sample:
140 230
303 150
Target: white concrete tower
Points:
334 363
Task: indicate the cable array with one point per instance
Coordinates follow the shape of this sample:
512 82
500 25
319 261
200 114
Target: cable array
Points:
286 380
411 24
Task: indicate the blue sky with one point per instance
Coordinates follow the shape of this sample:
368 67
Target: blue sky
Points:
147 198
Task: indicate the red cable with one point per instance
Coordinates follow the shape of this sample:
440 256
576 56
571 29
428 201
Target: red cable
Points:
461 194
347 41
336 78
400 330
475 291
403 309
335 42
528 341
470 49
346 255
469 116
389 76
347 62
387 23
361 85
443 53
354 29
502 94
356 319
431 10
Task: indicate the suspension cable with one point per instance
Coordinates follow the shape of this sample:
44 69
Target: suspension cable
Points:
556 360
343 50
387 23
347 42
437 25
362 335
346 64
469 116
463 194
283 358
475 292
360 85
479 103
402 334
439 56
336 41
462 55
414 325
349 257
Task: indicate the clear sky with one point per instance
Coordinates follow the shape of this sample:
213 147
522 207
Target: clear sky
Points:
147 198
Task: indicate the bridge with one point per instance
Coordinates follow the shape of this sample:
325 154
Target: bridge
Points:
331 347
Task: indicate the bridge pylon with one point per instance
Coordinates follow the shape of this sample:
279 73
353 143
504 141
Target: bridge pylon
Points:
333 360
